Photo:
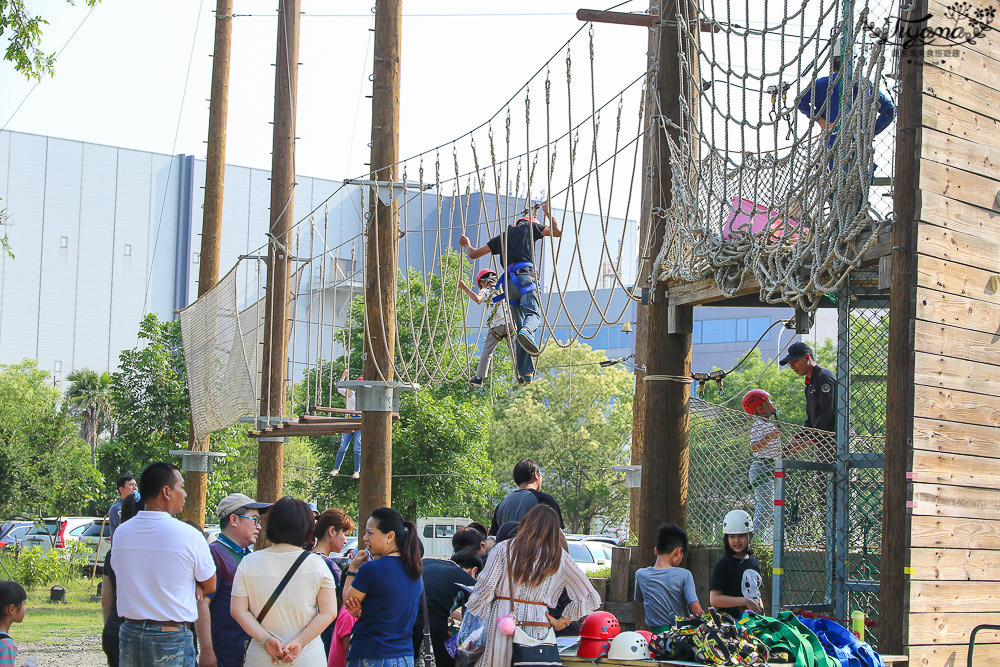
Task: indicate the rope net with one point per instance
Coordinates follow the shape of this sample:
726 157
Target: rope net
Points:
774 155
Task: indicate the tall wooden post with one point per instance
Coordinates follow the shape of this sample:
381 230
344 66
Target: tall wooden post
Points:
667 328
899 407
381 252
271 452
645 267
196 482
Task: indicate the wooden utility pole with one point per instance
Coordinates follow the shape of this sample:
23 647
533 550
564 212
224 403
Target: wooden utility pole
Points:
196 482
667 328
899 407
381 252
271 451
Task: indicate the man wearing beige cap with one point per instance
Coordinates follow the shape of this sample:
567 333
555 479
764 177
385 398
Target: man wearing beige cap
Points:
222 639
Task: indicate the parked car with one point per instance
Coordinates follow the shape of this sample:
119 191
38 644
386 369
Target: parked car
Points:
609 539
212 533
56 532
436 533
590 555
12 533
347 554
98 537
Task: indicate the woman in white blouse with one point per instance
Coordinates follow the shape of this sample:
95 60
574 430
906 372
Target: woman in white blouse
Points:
290 630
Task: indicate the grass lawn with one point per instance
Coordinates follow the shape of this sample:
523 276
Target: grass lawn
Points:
54 622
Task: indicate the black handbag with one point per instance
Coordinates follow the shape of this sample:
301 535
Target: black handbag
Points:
425 656
526 651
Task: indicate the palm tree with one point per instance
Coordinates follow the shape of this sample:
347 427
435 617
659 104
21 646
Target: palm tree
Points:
89 397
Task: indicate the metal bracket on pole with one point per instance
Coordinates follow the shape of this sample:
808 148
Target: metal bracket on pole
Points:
633 475
388 191
195 461
267 422
376 395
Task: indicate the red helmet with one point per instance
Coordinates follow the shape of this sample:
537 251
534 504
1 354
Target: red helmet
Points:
648 636
593 648
525 218
482 274
753 399
600 625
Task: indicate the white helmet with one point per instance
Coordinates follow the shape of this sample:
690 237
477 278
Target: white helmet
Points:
629 646
736 522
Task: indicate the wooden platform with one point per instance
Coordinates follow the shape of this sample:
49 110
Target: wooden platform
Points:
706 291
316 425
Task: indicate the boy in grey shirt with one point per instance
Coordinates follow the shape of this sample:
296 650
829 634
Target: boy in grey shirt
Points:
666 590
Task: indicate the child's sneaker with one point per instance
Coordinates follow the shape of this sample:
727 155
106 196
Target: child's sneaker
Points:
526 379
527 342
335 472
356 475
476 382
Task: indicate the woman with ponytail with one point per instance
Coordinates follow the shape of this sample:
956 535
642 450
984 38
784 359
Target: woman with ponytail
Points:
382 588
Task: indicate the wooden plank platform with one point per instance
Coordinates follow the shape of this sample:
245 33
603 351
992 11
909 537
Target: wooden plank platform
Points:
705 291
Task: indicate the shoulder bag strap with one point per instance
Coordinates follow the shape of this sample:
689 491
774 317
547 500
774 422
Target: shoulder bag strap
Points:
281 585
427 621
510 585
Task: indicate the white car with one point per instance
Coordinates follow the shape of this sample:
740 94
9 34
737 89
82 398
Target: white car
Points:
98 537
57 531
590 555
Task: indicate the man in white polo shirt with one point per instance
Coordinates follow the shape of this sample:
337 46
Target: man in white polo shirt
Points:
159 561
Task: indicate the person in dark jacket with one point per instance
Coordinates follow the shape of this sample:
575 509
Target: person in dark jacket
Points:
821 394
528 477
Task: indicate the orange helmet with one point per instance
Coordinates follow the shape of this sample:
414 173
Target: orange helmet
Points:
753 399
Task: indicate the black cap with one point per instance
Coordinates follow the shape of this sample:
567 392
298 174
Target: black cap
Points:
795 350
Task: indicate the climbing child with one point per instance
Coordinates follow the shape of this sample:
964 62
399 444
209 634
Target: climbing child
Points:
498 320
736 579
12 608
350 401
765 443
666 589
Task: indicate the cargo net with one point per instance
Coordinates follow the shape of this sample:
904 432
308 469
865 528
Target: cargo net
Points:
726 473
223 336
763 188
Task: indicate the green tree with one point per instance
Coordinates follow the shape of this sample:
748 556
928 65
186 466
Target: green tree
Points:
23 30
44 465
89 398
149 400
441 464
575 420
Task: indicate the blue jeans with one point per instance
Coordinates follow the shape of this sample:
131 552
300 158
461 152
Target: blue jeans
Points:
345 439
148 646
762 483
405 661
527 315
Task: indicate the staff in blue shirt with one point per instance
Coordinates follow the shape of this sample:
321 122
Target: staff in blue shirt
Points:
821 101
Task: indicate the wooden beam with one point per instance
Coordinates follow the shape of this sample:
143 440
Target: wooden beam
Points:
947 373
955 501
956 185
951 596
945 276
954 437
948 629
953 656
957 311
961 91
955 565
956 406
960 247
987 47
957 470
955 152
618 18
952 119
946 532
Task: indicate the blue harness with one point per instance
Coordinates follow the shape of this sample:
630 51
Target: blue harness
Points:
510 287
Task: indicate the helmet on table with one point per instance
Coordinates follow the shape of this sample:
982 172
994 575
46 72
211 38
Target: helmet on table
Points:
600 625
753 399
736 522
593 648
629 646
